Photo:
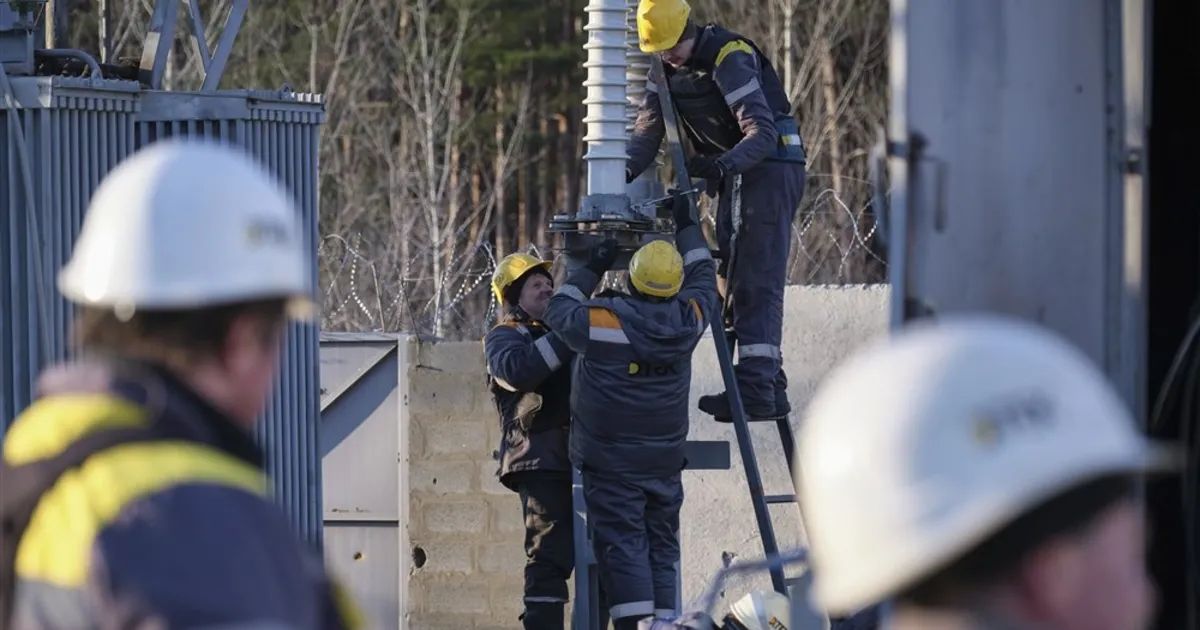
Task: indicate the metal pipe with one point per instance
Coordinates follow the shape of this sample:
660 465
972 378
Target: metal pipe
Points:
606 101
638 68
105 31
73 53
772 562
898 166
57 15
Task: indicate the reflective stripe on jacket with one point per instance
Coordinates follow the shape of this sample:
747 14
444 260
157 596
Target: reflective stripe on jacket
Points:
168 532
634 366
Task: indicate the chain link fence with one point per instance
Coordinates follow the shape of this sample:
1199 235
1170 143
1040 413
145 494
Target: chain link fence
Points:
833 243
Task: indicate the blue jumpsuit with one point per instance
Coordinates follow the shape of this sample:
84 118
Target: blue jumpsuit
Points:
629 406
733 106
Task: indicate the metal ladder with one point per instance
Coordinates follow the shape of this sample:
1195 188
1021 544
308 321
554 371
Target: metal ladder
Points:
721 340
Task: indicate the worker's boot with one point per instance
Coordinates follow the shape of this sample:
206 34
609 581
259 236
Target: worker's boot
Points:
782 406
717 405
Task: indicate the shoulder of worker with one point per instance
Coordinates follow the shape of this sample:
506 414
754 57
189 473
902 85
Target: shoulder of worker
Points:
607 300
513 326
611 311
651 322
719 45
174 533
515 330
166 518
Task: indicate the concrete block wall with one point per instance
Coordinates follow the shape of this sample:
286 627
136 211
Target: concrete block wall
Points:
821 326
466 531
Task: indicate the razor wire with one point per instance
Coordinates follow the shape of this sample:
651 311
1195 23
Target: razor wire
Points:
364 288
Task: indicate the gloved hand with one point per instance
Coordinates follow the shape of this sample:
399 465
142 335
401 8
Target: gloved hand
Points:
703 166
680 207
602 256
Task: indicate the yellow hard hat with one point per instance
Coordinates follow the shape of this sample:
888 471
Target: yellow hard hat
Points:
660 23
511 268
657 269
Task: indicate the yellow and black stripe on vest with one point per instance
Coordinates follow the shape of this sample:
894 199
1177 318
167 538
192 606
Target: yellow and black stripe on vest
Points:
71 463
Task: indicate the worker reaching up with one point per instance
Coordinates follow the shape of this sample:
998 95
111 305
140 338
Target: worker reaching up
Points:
629 406
738 118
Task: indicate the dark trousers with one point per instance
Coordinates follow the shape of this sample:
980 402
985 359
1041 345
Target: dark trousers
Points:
635 527
770 194
549 547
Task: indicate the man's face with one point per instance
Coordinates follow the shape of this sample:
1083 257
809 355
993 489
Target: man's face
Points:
535 295
250 361
680 53
1104 585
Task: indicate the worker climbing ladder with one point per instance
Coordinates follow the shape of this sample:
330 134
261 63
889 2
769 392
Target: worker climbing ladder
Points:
587 614
721 340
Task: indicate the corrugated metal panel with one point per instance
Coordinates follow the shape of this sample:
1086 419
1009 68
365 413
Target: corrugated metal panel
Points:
77 130
281 131
72 136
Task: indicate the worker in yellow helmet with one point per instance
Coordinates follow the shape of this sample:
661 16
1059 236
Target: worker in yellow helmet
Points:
630 408
736 113
530 380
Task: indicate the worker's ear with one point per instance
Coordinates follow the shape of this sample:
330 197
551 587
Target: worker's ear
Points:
1049 576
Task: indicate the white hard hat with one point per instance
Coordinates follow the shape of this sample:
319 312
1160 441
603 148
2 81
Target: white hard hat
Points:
917 449
762 610
187 224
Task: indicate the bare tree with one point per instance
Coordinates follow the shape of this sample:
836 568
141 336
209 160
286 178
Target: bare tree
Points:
419 249
831 56
422 141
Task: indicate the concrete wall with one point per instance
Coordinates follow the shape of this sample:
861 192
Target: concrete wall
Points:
821 326
465 529
466 525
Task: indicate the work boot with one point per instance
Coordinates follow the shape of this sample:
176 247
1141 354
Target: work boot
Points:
717 405
782 406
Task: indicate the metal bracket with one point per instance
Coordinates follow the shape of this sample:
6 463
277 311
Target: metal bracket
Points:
161 35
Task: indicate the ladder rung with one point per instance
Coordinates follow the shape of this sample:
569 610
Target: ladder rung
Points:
750 418
772 499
